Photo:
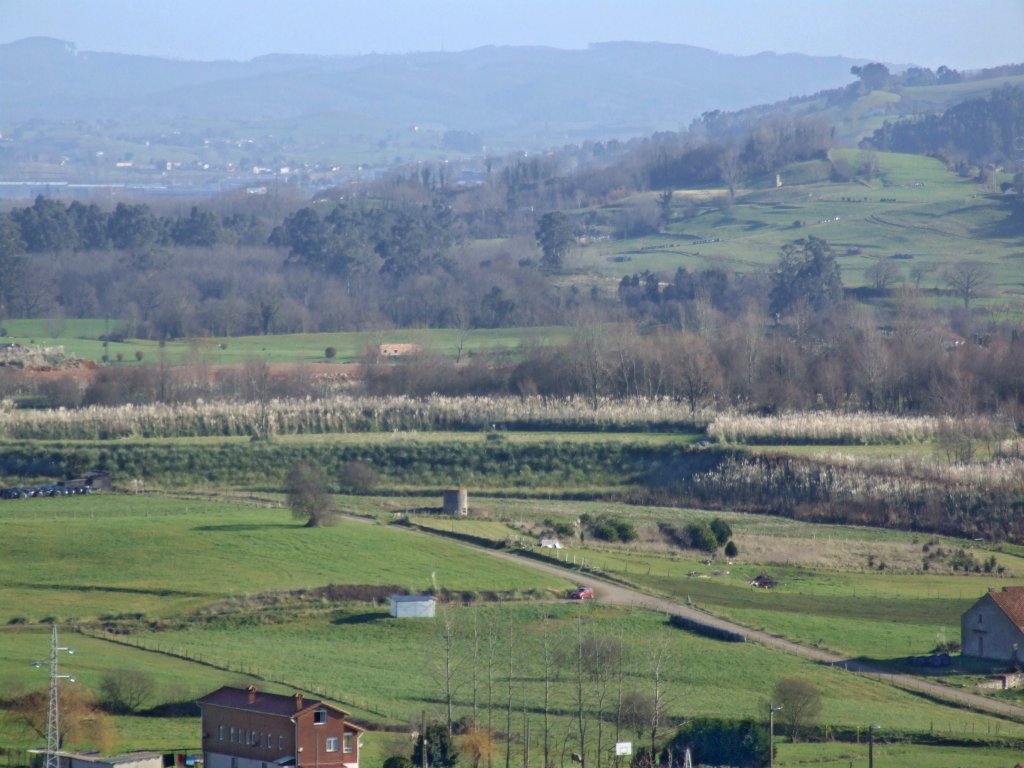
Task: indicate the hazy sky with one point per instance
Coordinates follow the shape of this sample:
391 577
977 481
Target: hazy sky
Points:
958 33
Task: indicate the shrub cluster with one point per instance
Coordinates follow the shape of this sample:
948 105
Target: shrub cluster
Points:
607 528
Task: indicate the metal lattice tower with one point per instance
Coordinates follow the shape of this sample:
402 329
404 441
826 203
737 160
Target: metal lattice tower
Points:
53 711
53 708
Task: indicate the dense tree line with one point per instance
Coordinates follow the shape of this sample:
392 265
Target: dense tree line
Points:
980 130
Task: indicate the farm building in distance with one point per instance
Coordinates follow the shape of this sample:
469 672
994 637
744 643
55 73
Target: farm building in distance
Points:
247 728
455 502
993 628
413 606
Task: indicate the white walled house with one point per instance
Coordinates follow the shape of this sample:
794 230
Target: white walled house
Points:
993 628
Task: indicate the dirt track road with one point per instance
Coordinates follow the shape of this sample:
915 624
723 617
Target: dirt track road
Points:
606 592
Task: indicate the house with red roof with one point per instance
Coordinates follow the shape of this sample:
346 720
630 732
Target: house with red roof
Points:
247 728
993 628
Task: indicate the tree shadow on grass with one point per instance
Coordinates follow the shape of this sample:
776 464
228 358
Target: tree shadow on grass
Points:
359 618
245 527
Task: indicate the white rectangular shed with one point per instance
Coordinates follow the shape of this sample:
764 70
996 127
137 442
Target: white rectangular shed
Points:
413 606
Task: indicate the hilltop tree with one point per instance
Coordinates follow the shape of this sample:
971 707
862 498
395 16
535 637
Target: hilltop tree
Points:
874 76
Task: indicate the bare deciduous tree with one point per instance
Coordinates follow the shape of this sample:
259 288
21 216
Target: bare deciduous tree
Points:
123 691
82 722
968 279
800 701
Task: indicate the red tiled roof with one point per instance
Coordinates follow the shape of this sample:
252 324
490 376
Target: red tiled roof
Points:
1011 601
270 703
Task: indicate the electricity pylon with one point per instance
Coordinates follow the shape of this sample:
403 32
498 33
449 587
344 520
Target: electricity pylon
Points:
53 707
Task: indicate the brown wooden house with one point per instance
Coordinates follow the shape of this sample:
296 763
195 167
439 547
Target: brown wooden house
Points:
246 728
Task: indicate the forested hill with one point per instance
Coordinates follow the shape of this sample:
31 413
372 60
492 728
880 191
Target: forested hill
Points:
529 97
985 129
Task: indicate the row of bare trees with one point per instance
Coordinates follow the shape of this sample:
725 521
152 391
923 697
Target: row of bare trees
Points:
582 689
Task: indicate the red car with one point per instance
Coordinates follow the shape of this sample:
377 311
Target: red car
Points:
582 593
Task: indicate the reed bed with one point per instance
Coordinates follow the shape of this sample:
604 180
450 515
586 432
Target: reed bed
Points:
823 427
344 413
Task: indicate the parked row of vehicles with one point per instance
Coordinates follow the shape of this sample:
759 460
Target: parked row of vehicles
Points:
49 489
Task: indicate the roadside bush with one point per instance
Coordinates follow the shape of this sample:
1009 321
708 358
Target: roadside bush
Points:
605 528
559 528
330 353
731 550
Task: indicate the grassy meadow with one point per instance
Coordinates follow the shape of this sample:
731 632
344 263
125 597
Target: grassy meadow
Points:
203 588
76 559
912 206
859 591
83 338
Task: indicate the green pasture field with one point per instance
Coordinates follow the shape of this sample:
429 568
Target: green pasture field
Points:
82 338
698 671
828 593
83 557
931 214
175 680
168 558
892 755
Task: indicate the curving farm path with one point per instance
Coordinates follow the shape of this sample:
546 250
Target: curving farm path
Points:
615 594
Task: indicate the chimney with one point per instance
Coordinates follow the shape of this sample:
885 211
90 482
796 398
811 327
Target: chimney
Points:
251 690
298 701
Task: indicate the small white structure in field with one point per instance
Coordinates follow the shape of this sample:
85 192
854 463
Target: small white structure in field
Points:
413 606
550 544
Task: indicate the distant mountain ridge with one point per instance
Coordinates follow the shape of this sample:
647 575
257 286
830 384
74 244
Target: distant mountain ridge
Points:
533 97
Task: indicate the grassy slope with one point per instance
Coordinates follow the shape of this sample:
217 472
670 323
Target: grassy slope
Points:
164 556
937 217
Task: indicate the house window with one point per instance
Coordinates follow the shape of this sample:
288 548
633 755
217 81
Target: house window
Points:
232 734
280 743
320 717
220 733
332 743
254 739
270 741
349 745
